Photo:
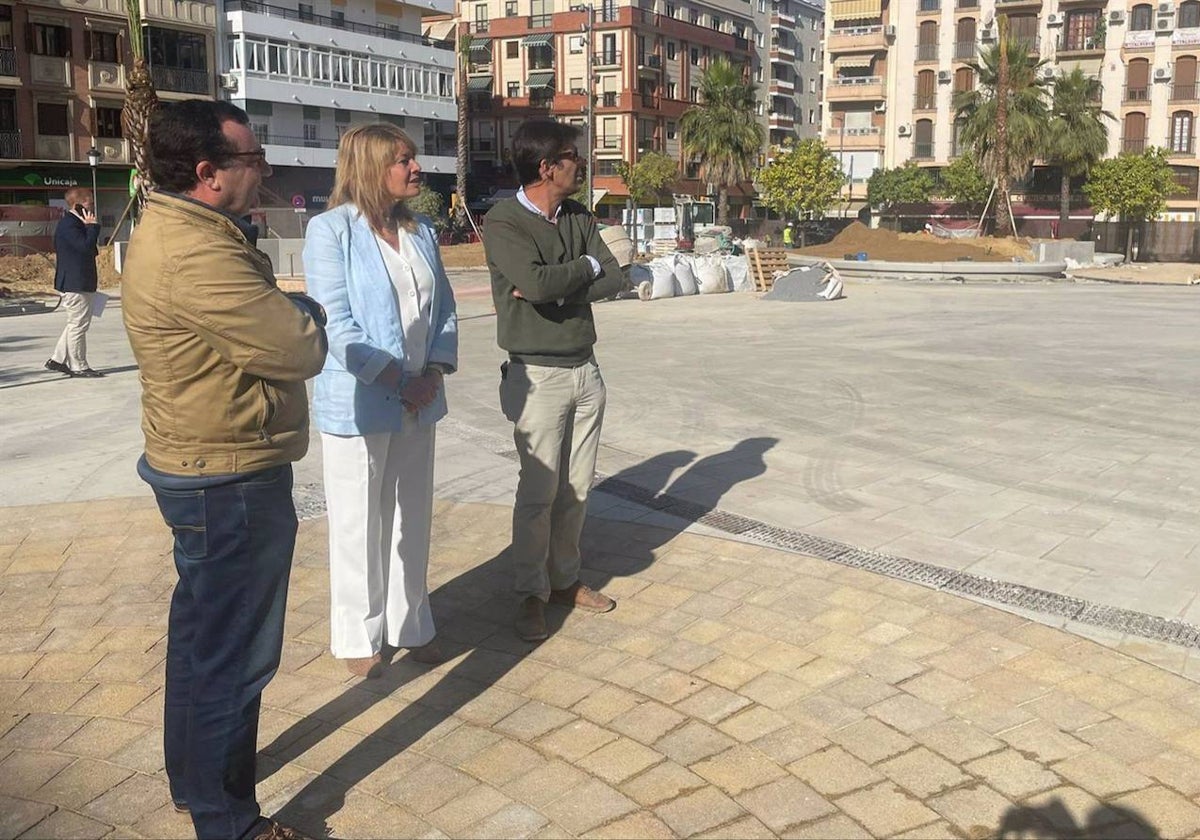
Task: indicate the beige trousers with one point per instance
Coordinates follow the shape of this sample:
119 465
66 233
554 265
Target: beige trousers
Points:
556 415
72 344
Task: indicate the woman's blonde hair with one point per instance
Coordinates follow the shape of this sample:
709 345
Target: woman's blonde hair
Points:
365 153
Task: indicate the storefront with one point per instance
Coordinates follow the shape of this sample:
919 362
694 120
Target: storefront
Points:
45 184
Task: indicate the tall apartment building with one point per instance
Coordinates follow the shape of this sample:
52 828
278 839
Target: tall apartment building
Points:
305 72
532 57
891 80
795 84
62 86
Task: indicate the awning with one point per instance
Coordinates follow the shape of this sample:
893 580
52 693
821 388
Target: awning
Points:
479 83
480 45
853 62
855 9
545 39
540 79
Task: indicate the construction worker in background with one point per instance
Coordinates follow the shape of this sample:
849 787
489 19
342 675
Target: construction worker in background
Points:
788 236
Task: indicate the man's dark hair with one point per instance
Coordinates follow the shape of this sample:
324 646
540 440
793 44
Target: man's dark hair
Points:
184 133
539 140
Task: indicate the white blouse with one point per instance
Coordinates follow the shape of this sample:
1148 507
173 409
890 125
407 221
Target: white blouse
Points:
412 280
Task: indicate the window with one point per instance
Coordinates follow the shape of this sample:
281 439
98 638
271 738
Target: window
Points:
182 50
312 135
50 40
341 115
1189 14
542 13
102 46
261 132
1133 139
1080 29
576 86
812 53
1181 132
694 94
812 85
312 113
512 49
964 79
695 54
671 11
1137 80
6 28
338 17
927 41
926 97
305 11
672 90
759 40
811 116
575 44
1141 18
481 17
694 16
510 8
715 22
670 50
1188 178
108 121
53 118
923 139
258 108
758 74
514 89
671 130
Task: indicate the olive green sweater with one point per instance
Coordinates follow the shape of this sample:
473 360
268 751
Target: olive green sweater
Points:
551 323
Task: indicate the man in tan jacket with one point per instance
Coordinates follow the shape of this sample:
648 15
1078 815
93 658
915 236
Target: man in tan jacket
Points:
223 356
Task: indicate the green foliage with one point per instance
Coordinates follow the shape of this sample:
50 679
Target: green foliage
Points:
1077 136
801 179
907 184
649 178
1134 187
429 202
137 35
964 182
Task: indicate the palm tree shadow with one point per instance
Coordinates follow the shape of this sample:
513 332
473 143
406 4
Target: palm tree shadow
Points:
1054 820
474 613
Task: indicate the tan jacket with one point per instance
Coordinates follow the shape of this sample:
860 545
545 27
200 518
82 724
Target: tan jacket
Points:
223 353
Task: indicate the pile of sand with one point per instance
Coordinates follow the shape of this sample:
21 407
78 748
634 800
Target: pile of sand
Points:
33 274
880 244
468 255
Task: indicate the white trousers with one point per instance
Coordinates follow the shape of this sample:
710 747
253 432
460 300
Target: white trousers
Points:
71 349
379 495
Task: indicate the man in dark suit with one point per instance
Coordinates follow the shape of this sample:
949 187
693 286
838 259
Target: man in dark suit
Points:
75 278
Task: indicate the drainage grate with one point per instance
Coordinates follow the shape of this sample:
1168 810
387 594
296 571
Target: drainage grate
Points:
310 504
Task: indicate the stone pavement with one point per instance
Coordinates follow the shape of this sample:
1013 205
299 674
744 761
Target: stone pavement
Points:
1170 274
736 691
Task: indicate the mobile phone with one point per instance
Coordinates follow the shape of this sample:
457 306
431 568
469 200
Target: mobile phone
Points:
79 209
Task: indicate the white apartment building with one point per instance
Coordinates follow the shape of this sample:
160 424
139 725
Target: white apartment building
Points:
893 67
305 72
795 83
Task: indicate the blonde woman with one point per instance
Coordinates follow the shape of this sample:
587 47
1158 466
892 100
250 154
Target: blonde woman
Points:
376 269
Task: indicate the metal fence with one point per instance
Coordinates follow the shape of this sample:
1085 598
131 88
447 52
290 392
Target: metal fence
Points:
1152 241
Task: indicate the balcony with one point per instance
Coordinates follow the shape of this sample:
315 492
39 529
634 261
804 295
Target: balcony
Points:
608 99
1183 93
1018 4
10 145
927 52
870 137
648 100
52 147
610 143
479 27
927 6
925 102
256 8
484 145
8 62
1136 93
649 63
649 144
113 149
480 102
779 18
542 101
612 58
855 89
1181 147
1133 145
181 80
540 21
783 55
965 50
781 121
782 87
50 70
1080 46
856 39
1033 43
105 76
923 150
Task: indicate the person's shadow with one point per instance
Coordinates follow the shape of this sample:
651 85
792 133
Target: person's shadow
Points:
1054 820
474 617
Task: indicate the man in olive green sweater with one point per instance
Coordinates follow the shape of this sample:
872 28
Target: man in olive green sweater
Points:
548 265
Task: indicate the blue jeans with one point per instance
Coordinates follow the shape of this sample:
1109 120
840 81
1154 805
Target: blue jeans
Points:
234 537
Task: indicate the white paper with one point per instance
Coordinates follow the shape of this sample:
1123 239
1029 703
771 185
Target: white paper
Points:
99 301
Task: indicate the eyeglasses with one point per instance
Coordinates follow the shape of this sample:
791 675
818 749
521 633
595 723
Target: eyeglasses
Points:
258 156
572 155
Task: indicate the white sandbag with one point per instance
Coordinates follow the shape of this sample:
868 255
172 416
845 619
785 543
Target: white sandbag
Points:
685 277
706 245
739 273
645 289
747 244
711 276
639 274
663 282
619 244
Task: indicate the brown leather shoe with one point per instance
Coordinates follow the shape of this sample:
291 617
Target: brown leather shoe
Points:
531 620
583 596
278 831
368 667
430 653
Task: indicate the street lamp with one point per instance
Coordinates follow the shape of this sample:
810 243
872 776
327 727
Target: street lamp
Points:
94 157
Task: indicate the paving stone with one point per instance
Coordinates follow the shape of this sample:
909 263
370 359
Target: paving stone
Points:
129 801
647 722
1100 774
938 688
591 804
1065 711
907 714
575 740
68 826
697 812
113 700
101 737
19 815
514 820
834 771
957 740
713 704
671 686
51 697
365 817
839 826
693 742
533 719
642 824
774 691
885 810
1155 716
746 828
922 772
606 703
871 740
478 803
859 691
428 788
665 781
42 731
822 672
1175 770
738 769
752 723
1121 740
1171 814
80 783
562 689
1012 774
619 760
501 762
22 772
975 811
540 785
1043 741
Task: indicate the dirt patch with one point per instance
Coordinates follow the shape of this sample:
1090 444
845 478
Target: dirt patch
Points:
882 244
33 274
469 255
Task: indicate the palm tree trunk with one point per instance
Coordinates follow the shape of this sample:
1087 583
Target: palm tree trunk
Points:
461 151
722 205
1003 220
1129 243
1064 202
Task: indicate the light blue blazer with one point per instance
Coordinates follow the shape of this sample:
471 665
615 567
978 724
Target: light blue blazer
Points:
344 271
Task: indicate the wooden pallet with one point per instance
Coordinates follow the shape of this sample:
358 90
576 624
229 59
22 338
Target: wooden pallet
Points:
764 262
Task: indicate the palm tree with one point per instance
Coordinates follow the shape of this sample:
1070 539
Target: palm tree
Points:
459 222
1006 131
1077 136
723 131
140 101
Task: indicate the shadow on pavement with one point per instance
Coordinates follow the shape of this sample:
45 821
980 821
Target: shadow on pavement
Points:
1055 820
474 613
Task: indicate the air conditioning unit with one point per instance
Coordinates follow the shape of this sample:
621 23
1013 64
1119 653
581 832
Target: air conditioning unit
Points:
944 77
1164 24
987 34
881 108
1162 74
904 130
1116 18
1054 20
1047 73
229 81
889 31
1166 8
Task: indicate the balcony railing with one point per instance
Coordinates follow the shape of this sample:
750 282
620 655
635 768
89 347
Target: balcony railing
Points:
929 5
852 132
925 101
335 23
1079 44
649 144
10 145
964 49
610 58
855 31
541 64
857 80
608 142
8 62
181 80
541 100
1136 93
1181 146
1133 145
1183 93
967 4
922 151
540 21
479 27
649 100
484 144
654 62
304 142
927 52
608 100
